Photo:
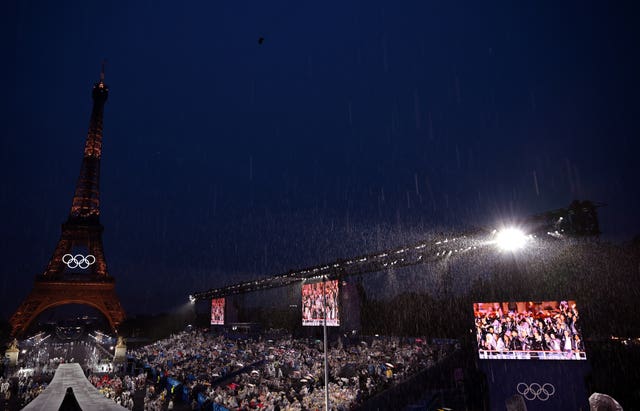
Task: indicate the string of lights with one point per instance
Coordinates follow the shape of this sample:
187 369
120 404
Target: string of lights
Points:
579 219
379 261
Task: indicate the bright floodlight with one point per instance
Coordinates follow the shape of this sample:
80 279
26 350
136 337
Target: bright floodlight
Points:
510 239
192 299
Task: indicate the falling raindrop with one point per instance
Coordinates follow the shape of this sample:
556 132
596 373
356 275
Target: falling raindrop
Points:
416 108
570 176
385 62
533 101
576 175
430 121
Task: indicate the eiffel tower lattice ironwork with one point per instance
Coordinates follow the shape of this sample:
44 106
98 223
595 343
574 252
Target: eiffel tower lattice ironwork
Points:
77 272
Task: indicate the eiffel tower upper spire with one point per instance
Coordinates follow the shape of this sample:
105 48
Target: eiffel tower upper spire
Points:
86 200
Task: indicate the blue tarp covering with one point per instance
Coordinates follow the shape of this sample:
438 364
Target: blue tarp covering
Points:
171 384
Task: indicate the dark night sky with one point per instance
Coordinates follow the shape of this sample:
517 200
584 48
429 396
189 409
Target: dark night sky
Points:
353 126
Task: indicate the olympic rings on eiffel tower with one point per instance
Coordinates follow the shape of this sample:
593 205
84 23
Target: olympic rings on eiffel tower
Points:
78 260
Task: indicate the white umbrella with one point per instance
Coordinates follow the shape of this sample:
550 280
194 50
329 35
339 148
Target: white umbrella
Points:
603 402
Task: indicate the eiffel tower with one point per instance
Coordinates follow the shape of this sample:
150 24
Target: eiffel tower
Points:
77 271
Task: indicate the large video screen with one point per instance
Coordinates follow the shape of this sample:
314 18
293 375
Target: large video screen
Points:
312 303
543 330
217 311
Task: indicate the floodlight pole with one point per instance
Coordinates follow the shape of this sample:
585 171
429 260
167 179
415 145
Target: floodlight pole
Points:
326 367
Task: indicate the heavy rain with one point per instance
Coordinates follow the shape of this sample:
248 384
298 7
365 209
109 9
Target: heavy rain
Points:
301 206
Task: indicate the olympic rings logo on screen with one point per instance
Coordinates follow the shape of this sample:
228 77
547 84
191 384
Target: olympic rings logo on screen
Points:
78 260
535 391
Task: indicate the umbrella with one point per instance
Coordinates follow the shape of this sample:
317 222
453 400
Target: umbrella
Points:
598 401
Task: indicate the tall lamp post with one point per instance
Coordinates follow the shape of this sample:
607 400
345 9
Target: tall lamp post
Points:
324 327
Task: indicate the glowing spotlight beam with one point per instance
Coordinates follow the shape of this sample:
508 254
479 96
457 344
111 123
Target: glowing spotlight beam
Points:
510 239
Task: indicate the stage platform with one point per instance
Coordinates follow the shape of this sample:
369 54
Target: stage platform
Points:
71 375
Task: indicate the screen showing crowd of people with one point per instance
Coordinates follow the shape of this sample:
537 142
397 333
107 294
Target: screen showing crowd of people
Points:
313 300
529 330
217 311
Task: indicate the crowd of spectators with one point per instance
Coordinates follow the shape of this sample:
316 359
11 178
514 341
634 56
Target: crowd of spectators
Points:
5 390
531 331
197 369
25 389
282 373
119 389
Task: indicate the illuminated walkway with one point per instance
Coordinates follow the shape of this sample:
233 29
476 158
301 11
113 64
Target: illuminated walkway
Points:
71 375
